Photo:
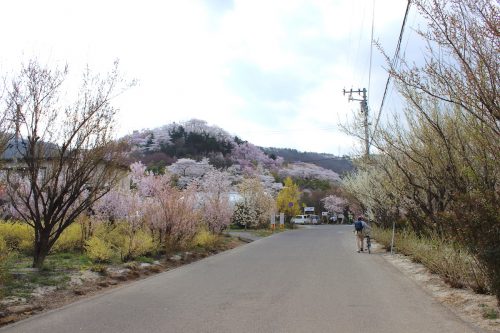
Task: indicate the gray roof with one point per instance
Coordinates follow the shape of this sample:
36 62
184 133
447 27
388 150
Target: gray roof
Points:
17 149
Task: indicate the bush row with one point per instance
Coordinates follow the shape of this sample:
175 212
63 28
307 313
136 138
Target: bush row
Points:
4 253
102 242
453 262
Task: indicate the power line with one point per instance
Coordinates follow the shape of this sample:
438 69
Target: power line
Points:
363 92
360 33
371 52
333 158
393 65
288 130
351 43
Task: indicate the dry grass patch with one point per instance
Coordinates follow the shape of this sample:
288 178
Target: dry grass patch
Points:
478 309
458 267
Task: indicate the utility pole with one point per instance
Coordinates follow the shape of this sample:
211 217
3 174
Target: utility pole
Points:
364 110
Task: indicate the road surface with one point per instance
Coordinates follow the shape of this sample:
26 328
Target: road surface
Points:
307 280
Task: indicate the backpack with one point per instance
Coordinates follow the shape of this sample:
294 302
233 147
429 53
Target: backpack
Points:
358 225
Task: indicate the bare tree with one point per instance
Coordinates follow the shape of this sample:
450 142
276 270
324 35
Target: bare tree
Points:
462 58
5 124
65 149
441 170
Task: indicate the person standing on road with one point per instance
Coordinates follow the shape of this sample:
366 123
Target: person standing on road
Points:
360 230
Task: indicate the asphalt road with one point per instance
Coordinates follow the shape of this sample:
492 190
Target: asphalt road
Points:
308 280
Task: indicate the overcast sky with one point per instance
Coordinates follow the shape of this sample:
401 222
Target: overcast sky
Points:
269 71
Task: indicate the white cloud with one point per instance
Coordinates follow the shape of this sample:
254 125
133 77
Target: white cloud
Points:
263 70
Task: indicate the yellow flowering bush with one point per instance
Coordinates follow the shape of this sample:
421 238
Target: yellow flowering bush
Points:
99 250
18 236
205 239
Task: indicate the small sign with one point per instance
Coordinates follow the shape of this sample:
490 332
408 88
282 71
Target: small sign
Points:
290 204
308 209
324 213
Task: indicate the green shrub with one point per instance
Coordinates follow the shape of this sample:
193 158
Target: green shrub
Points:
99 250
490 313
147 260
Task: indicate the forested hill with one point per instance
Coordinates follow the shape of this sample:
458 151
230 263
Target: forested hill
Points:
195 139
339 164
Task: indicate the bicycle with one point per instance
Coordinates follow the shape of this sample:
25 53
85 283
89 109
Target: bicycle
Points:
368 243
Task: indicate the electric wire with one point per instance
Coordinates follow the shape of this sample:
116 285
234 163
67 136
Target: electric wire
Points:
351 46
360 34
333 158
371 52
393 65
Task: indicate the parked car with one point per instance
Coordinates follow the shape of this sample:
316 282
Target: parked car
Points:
301 219
315 219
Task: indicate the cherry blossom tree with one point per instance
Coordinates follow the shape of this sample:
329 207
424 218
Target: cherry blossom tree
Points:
178 213
308 170
187 170
270 185
67 150
260 203
249 156
244 215
216 208
175 214
127 209
201 127
334 203
153 202
148 140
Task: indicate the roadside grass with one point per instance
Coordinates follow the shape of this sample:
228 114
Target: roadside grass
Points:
457 266
68 261
266 232
489 312
22 280
146 260
19 279
71 256
262 232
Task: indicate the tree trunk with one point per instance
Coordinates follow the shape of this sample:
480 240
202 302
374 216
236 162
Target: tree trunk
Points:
42 249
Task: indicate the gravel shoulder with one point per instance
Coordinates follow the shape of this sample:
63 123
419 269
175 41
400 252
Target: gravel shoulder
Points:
465 303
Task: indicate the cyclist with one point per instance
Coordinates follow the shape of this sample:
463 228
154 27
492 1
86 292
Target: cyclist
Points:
360 230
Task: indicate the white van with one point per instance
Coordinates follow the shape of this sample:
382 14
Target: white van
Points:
301 219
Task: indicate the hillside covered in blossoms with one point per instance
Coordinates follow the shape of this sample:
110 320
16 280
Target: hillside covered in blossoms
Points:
194 142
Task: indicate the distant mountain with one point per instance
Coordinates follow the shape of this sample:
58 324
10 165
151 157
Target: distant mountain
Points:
338 164
16 149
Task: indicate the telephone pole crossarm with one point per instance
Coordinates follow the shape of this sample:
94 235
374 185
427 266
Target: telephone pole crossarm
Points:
364 110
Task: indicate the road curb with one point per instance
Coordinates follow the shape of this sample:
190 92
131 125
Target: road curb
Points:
244 239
